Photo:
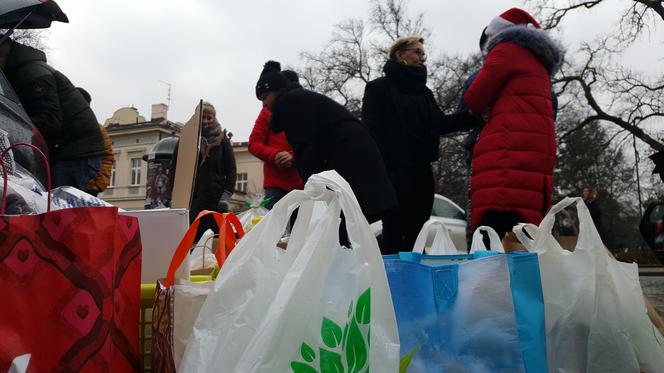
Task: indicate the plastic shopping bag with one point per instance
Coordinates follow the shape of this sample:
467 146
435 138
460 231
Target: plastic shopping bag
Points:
481 312
256 210
177 301
442 242
596 318
315 307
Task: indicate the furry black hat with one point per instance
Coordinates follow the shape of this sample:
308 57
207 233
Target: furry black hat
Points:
291 75
271 79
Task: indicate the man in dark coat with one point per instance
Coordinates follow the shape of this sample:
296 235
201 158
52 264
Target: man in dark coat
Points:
326 136
60 113
406 123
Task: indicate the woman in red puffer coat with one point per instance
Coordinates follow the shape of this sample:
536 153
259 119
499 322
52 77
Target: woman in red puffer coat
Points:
514 158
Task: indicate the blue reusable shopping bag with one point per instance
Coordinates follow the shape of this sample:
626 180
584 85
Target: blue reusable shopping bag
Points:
479 312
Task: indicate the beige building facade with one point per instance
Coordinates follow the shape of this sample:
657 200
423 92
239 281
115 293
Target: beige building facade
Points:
133 137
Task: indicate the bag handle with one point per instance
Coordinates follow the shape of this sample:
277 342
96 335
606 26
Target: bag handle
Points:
442 242
3 204
495 243
587 230
522 231
226 223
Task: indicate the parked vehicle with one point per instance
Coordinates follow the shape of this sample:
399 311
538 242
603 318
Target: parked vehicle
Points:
448 212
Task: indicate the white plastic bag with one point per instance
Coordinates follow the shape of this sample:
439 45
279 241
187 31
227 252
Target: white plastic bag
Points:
314 304
595 313
495 243
256 209
202 257
442 242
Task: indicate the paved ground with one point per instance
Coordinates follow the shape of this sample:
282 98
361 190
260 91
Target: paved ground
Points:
652 282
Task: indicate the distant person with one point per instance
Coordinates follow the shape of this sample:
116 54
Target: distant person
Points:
589 196
515 154
406 123
60 113
103 178
326 136
216 173
279 172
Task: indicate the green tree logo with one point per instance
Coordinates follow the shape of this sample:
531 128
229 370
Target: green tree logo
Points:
344 350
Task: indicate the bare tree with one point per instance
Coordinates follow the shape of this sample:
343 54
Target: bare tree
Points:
594 81
33 38
636 18
357 51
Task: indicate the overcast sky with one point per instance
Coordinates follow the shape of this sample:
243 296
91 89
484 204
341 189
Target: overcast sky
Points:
214 50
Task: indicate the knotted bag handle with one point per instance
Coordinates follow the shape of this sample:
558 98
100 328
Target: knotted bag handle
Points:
3 204
227 241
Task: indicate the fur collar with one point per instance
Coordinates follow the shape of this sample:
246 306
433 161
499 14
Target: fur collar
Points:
547 50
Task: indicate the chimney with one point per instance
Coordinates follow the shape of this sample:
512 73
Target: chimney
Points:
159 112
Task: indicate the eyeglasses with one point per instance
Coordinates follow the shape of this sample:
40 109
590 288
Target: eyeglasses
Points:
419 52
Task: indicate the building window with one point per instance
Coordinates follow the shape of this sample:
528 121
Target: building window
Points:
136 171
112 181
241 183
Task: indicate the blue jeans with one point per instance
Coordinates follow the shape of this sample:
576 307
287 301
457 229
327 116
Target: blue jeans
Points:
76 172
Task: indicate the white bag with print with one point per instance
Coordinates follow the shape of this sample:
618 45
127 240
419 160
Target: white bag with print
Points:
314 307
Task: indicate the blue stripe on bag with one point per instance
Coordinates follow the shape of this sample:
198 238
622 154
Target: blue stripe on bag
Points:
526 285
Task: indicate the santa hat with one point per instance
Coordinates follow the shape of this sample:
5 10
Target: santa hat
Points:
512 17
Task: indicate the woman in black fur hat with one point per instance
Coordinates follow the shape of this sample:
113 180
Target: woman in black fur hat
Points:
326 136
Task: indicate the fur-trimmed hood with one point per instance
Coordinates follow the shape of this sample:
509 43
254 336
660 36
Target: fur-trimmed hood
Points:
547 50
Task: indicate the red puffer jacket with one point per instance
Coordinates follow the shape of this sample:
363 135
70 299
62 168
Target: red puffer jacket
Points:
265 144
514 158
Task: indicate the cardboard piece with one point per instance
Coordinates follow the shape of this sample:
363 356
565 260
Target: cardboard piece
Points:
187 160
161 231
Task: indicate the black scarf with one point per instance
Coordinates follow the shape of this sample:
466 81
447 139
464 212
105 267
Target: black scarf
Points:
408 78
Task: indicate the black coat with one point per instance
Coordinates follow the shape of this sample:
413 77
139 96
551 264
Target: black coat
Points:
214 176
326 136
404 118
55 105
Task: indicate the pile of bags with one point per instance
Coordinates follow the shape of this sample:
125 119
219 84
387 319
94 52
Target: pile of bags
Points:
313 305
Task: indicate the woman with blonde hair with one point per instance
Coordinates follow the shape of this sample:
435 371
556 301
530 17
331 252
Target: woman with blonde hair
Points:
406 123
216 173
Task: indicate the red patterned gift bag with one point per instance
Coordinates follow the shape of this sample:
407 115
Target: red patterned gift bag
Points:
70 290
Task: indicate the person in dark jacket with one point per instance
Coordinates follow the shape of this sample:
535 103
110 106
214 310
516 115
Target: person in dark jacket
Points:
60 113
515 154
326 136
216 173
279 172
406 123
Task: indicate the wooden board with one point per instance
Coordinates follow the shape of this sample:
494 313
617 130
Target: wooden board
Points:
185 172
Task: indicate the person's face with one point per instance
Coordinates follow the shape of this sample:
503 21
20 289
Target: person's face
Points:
413 54
268 99
208 118
585 193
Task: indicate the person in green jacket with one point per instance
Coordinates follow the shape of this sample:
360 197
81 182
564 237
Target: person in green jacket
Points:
60 113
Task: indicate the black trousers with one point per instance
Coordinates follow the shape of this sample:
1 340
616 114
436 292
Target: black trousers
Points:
415 189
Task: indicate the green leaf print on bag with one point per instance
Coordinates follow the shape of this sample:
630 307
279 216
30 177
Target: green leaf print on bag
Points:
363 313
356 349
347 345
331 333
330 362
307 352
302 368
